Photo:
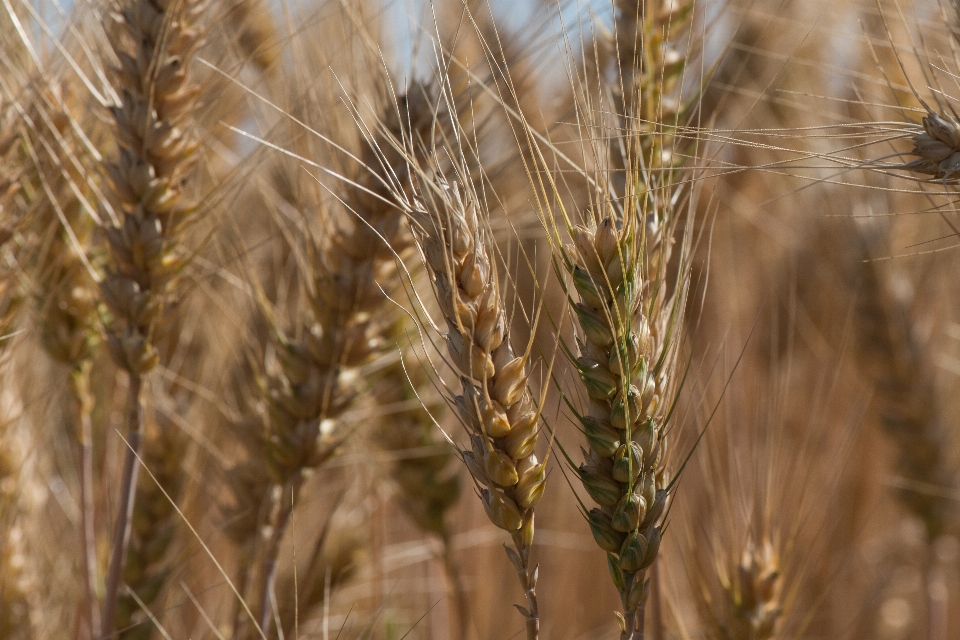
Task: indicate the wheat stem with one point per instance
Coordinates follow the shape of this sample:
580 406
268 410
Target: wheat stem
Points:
455 586
656 610
78 390
128 484
271 554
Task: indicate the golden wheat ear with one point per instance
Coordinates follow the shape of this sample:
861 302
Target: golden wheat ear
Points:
496 404
351 273
753 595
59 230
420 465
627 292
15 604
615 262
153 45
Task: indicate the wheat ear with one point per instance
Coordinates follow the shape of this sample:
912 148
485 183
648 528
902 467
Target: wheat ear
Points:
937 147
427 486
753 595
651 64
154 42
628 319
496 405
14 591
64 289
316 380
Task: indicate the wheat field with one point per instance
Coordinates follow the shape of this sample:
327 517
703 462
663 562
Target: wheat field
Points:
479 320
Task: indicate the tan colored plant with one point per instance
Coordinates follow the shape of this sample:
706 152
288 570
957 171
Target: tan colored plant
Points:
315 379
421 470
496 405
753 593
154 43
629 310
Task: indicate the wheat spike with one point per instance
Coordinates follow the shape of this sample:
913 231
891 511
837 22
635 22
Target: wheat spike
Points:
154 524
154 42
651 59
496 406
753 595
14 591
427 487
256 32
15 606
628 318
937 148
314 380
59 232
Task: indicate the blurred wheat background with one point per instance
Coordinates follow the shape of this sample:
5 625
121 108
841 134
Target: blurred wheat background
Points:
310 308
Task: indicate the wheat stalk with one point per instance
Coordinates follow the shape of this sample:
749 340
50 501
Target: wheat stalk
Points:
154 42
